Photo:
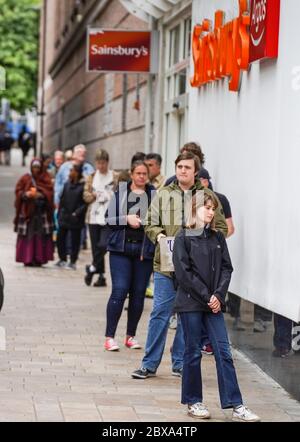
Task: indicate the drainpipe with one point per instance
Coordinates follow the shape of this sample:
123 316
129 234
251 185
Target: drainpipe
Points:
42 110
150 101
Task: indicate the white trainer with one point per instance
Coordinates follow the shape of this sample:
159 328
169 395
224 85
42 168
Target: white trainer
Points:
244 414
198 410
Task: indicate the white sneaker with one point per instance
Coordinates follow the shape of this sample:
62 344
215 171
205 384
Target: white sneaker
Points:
61 264
198 410
244 414
260 326
70 266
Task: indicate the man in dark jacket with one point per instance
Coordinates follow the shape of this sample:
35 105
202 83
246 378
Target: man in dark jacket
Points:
6 143
25 143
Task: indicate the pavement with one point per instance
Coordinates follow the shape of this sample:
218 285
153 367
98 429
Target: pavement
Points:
54 367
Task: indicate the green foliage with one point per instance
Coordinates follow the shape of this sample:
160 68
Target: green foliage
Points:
19 43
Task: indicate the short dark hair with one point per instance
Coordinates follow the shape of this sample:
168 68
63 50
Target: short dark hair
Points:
138 163
195 148
138 156
189 156
45 157
79 170
154 156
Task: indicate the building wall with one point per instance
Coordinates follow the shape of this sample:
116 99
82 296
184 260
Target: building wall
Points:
85 107
252 143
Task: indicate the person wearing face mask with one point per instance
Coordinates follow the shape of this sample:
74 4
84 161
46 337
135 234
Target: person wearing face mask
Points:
34 216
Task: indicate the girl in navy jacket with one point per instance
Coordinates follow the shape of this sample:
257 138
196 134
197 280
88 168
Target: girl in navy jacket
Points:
203 272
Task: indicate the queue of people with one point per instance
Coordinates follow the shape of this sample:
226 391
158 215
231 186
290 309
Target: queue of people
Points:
129 214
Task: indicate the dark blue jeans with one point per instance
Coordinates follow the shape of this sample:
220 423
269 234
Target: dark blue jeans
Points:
129 275
282 338
192 324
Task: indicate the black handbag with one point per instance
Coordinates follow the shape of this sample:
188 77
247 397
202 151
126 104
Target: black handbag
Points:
1 289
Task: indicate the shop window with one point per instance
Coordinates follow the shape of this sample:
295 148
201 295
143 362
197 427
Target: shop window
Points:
178 55
187 37
177 61
174 46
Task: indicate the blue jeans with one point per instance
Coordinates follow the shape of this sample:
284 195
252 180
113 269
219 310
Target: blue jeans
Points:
192 323
205 339
163 303
129 275
282 332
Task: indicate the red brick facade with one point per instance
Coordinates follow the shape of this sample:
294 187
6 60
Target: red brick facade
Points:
85 107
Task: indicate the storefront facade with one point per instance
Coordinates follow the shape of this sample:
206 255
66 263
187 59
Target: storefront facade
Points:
251 141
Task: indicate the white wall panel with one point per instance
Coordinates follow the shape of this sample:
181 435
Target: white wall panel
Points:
252 144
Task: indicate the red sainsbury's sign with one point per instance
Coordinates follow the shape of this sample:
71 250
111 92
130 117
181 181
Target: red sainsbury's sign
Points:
228 48
119 50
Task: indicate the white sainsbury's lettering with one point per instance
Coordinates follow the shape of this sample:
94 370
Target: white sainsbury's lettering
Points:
120 50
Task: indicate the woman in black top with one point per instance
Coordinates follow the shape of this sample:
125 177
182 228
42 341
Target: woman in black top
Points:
131 254
71 217
203 272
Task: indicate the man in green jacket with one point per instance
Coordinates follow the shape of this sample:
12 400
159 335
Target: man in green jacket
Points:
166 217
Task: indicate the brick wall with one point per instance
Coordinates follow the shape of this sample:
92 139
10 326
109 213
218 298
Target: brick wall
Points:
88 108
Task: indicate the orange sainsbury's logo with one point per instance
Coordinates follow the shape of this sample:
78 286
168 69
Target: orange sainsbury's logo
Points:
223 52
229 48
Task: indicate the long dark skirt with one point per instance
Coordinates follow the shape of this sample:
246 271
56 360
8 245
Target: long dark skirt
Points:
35 247
35 250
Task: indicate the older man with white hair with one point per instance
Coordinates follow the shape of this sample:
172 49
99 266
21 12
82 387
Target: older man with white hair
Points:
79 156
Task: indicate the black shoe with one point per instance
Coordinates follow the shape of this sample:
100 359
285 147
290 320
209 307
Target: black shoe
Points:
101 282
177 372
89 276
143 373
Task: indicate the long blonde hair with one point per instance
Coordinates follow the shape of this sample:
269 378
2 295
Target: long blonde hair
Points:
197 201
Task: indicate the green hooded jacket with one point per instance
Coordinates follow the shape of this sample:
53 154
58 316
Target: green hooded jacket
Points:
166 215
